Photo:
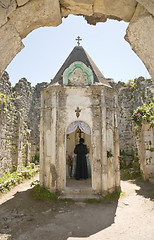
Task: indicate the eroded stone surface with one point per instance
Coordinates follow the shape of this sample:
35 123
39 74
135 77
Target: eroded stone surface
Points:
6 7
84 7
145 144
123 9
140 35
10 44
148 4
36 14
3 17
22 2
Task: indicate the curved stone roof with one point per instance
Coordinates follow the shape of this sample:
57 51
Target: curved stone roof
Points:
79 54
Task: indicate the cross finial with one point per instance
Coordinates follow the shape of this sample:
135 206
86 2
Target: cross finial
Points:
78 39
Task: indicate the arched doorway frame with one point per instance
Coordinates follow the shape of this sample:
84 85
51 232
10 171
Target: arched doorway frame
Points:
85 122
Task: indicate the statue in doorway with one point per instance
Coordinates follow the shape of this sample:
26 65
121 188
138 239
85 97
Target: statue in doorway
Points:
81 170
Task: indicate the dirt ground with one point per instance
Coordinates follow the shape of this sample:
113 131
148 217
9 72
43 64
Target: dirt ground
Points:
131 217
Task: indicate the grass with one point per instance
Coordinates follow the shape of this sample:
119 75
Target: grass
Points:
40 193
128 174
65 200
112 196
109 197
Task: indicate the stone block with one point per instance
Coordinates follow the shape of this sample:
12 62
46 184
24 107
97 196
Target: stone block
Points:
84 7
123 9
36 14
148 4
10 44
3 16
140 35
22 2
6 7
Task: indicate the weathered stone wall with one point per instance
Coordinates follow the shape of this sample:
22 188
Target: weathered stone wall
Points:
145 145
131 96
6 125
19 122
34 117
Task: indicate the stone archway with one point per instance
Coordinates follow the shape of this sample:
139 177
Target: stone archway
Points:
19 17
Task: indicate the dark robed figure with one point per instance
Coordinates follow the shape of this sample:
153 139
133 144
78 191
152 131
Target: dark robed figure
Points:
81 164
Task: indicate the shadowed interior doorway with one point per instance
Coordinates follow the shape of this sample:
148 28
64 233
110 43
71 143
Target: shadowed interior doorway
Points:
75 131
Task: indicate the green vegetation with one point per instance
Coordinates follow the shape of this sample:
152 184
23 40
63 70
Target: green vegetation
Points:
144 113
109 154
129 165
112 196
41 193
109 197
5 102
23 131
65 200
128 174
9 180
131 85
36 157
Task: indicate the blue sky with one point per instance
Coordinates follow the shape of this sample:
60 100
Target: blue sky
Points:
47 48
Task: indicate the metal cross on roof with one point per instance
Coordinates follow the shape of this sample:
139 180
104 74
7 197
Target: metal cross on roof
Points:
78 39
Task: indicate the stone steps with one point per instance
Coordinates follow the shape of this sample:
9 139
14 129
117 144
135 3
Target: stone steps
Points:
83 191
79 194
79 197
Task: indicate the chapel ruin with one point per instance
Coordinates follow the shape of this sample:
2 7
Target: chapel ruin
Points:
79 97
20 124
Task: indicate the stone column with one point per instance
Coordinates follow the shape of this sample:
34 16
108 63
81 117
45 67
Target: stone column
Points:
61 157
96 158
116 144
116 152
53 146
96 148
62 116
104 146
145 146
42 143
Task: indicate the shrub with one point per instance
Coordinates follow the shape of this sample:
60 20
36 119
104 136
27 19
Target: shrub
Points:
9 180
144 113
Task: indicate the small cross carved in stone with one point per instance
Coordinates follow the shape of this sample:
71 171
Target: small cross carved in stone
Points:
78 112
